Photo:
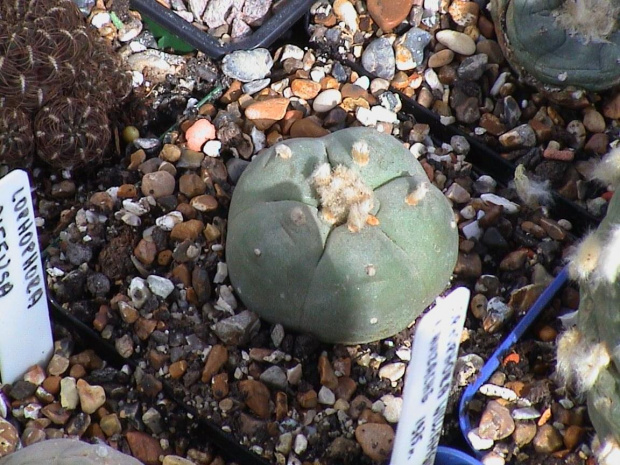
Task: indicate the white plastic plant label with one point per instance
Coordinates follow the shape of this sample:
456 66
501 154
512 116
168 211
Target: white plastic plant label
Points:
25 330
428 380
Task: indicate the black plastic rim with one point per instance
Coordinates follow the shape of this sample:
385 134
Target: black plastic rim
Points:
287 14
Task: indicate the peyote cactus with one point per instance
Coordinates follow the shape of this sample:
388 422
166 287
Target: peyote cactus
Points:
342 236
68 451
559 44
588 355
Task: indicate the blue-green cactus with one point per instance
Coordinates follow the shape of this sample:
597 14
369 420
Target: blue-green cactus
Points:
343 236
588 355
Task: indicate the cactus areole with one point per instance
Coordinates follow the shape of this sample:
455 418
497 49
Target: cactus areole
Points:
343 236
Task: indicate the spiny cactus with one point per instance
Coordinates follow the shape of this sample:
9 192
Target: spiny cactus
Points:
343 236
50 61
588 355
559 44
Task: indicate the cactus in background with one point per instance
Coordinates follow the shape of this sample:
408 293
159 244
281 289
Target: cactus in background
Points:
561 44
343 236
588 355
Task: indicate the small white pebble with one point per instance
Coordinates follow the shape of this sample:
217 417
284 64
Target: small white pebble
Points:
221 274
326 396
491 390
212 148
478 443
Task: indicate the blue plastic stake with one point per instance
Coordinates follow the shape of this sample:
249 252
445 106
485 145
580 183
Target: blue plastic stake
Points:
494 361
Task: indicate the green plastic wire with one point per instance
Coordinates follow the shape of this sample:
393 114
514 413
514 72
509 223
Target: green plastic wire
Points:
116 21
212 95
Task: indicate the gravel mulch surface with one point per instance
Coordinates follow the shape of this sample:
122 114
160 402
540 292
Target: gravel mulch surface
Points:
136 250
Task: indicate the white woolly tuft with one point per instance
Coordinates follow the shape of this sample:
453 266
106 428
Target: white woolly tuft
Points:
533 193
589 364
608 169
609 261
607 452
284 151
322 175
579 362
568 344
360 152
585 256
414 197
343 196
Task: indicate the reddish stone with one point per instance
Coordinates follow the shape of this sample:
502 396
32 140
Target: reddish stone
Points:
389 13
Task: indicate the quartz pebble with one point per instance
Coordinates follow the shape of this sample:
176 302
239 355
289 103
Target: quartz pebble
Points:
247 65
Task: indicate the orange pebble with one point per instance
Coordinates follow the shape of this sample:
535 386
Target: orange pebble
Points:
199 133
511 358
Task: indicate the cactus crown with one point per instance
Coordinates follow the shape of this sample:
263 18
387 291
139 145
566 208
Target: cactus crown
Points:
343 196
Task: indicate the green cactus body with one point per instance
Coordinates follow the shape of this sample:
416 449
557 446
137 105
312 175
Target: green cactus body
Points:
347 274
561 43
599 323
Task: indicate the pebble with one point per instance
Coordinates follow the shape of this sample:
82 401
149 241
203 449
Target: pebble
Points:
256 396
69 397
271 109
458 42
378 58
144 447
305 88
415 41
326 396
521 136
199 133
187 230
477 442
441 58
237 329
327 100
472 68
247 65
301 444
160 286
376 440
547 440
392 407
158 184
388 13
9 438
524 433
274 377
593 121
495 422
91 397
